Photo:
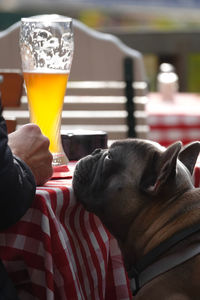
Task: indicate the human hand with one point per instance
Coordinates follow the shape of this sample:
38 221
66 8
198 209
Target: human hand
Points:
30 145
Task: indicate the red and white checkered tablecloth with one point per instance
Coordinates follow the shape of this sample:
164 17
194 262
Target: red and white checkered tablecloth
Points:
58 251
176 120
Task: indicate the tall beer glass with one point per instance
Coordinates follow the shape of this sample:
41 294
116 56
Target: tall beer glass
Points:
46 44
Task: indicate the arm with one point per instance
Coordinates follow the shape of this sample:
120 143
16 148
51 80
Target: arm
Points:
28 164
32 147
17 184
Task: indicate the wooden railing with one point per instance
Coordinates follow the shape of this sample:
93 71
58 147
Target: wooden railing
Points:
169 46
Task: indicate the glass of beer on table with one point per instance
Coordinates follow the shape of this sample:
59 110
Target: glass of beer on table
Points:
46 46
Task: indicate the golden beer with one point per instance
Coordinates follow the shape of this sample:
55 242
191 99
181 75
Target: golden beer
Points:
46 93
47 47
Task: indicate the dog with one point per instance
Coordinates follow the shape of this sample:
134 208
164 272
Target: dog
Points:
144 194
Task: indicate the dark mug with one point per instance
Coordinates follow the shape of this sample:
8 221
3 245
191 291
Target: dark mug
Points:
79 143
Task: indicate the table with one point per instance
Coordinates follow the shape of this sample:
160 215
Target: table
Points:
172 121
59 251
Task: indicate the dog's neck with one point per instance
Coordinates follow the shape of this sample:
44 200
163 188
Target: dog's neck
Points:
157 223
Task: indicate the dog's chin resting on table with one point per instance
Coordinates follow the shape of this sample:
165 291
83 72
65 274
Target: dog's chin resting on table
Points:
144 195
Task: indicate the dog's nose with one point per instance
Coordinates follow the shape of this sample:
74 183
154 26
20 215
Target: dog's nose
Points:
96 151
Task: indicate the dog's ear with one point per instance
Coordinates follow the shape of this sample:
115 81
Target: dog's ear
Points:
189 154
162 168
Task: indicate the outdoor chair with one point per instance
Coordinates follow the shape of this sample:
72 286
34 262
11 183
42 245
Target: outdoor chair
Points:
11 88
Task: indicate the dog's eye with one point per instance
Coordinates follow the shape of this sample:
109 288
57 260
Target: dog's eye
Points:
107 165
108 156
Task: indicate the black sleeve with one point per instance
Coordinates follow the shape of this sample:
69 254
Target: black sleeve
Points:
17 184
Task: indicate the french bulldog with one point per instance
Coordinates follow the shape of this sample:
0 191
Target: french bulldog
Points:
144 194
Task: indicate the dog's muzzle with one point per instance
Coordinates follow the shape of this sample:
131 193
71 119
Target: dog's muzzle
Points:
86 179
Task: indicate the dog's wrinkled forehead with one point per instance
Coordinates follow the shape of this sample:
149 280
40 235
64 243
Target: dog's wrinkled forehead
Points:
136 147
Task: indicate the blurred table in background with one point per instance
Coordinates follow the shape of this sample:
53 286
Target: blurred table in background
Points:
174 120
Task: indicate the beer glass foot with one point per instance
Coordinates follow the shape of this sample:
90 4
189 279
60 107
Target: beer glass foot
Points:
59 159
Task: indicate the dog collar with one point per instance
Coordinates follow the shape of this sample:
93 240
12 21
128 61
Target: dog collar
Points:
148 267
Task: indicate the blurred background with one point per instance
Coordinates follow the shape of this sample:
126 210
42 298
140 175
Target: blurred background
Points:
163 30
